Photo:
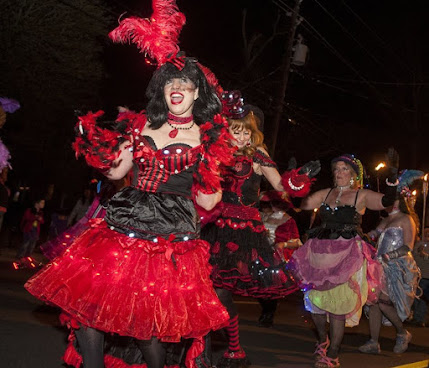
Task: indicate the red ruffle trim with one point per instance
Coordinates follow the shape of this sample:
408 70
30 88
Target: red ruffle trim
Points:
221 223
229 280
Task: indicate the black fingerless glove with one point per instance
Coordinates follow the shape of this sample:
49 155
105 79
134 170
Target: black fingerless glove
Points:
311 169
389 195
401 251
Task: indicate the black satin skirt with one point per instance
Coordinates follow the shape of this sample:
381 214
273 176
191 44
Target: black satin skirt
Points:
151 215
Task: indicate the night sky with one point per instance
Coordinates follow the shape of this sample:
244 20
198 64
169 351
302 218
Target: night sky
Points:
362 89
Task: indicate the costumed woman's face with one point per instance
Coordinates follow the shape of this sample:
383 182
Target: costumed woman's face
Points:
241 136
342 174
180 95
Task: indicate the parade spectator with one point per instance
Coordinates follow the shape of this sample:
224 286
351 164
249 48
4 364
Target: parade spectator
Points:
421 255
30 227
4 195
81 207
4 190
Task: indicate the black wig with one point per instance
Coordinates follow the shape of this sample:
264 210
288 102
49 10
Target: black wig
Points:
206 106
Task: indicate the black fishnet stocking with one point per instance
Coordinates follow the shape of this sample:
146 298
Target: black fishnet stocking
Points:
153 351
374 322
336 331
320 323
91 345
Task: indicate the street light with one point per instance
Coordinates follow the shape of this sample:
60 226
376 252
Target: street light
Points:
413 198
377 168
380 166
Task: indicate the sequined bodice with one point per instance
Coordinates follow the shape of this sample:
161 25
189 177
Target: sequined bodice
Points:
390 239
241 184
167 170
158 203
339 216
339 221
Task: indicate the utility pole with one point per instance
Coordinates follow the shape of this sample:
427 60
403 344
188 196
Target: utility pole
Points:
286 66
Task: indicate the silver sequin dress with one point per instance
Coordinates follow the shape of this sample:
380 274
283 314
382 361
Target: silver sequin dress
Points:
401 274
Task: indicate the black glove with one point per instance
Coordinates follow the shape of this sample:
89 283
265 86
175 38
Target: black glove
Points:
392 163
291 164
401 251
311 169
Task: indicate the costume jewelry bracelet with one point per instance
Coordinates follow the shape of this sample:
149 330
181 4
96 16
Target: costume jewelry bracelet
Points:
293 187
395 184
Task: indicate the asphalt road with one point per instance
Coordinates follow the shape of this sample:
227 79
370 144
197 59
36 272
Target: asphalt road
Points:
31 336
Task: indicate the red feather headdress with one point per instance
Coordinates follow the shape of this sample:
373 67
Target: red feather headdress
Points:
156 36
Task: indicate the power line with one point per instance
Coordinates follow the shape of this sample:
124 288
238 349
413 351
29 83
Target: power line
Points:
281 4
344 90
345 30
396 84
384 43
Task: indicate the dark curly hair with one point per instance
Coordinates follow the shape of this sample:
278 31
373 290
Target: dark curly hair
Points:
206 106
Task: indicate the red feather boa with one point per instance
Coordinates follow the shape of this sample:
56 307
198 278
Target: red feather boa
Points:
217 150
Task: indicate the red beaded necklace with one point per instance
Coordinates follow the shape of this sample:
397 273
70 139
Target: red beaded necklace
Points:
178 121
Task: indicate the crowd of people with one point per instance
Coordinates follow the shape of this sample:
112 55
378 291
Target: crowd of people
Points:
145 270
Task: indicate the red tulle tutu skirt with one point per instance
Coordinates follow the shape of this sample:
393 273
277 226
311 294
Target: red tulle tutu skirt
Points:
133 287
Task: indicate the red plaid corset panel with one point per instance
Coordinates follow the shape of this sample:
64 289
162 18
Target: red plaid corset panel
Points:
158 167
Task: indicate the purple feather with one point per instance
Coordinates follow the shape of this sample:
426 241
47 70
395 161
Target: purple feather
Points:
9 104
4 156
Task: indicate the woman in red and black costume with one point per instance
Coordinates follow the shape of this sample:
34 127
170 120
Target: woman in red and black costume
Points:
140 277
244 262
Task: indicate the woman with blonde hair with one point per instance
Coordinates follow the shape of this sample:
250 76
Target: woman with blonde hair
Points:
336 266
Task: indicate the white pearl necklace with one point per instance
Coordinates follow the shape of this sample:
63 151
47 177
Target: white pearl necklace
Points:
394 212
337 200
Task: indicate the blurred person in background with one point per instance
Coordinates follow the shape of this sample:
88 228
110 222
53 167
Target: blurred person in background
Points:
81 207
30 227
421 255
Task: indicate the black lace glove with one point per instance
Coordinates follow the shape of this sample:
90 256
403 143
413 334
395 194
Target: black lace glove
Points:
401 251
392 163
392 160
291 164
311 169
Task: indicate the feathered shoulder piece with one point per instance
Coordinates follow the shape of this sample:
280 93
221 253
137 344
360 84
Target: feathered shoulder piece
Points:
406 178
98 142
217 150
156 36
